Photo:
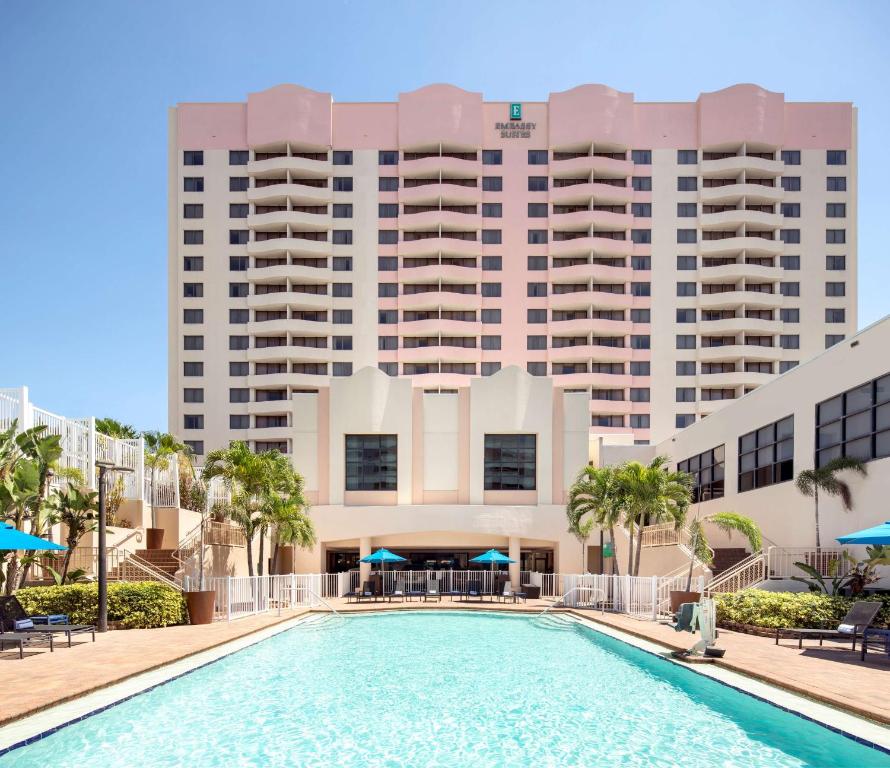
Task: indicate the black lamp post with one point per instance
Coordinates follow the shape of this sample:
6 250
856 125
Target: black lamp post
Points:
101 558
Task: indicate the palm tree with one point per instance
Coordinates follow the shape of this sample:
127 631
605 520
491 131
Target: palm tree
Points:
811 481
114 428
651 494
79 510
160 448
289 523
729 523
595 493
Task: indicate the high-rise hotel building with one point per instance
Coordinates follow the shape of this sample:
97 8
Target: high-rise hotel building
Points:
664 258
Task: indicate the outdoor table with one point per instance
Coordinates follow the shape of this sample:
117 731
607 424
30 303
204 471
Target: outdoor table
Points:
879 638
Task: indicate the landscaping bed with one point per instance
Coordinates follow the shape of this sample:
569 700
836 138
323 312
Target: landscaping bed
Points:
131 605
757 611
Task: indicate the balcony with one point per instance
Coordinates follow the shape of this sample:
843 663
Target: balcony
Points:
739 163
265 407
430 220
592 190
733 193
591 163
296 272
752 245
729 299
297 193
434 246
444 299
456 194
586 244
299 219
732 272
433 327
738 216
301 166
596 272
437 353
735 325
733 379
447 166
737 351
581 299
295 245
434 272
588 218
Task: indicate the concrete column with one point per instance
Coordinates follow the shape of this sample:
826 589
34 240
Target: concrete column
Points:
364 549
513 554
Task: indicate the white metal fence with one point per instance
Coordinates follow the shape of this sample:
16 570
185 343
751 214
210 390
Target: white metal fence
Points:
644 597
240 596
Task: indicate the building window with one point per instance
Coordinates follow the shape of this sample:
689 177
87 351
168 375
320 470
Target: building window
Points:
836 157
239 395
388 184
192 316
766 455
835 315
390 369
492 183
639 394
534 316
833 338
342 157
685 394
238 236
641 263
536 342
641 289
489 369
683 420
687 156
491 342
238 290
537 236
791 210
789 341
192 343
835 236
193 395
686 289
384 211
787 365
789 262
641 156
193 157
835 289
387 343
341 237
640 341
637 368
834 184
493 316
537 210
238 156
537 263
239 421
789 315
686 235
388 157
192 263
640 316
641 236
193 369
491 237
494 263
707 470
641 210
195 446
537 157
685 341
238 183
687 262
639 421
789 288
193 184
791 183
835 210
371 462
687 210
238 263
341 316
641 183
791 156
536 368
342 263
685 367
685 315
492 157
493 210
790 236
341 290
387 316
193 237
387 263
387 290
855 423
536 290
491 290
537 184
687 184
239 342
192 290
510 462
342 183
344 210
238 368
835 263
342 369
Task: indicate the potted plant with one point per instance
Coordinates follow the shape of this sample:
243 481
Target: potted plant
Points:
699 549
160 447
201 601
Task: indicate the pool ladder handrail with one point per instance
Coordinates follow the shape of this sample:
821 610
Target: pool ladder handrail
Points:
579 588
325 603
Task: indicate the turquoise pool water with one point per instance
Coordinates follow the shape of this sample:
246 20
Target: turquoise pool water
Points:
443 689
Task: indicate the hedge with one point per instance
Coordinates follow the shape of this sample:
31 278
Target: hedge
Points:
761 608
131 605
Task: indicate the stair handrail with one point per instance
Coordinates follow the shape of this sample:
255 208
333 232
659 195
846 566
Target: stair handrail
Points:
130 558
581 587
756 562
136 532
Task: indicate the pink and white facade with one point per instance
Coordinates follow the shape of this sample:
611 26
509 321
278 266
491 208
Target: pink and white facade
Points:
663 258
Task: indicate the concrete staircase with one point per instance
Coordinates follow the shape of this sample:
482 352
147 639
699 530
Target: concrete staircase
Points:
142 562
727 557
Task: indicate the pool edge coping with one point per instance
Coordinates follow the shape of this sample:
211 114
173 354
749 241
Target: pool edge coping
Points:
41 723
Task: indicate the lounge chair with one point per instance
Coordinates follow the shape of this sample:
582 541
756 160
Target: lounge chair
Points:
13 618
20 639
398 591
432 591
857 620
510 593
473 591
416 591
366 592
877 640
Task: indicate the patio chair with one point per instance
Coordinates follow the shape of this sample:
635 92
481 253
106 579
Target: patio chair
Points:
398 591
13 618
366 592
416 591
857 620
510 593
432 591
876 640
20 639
473 591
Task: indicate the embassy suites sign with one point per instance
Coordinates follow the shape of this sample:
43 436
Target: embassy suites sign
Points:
515 128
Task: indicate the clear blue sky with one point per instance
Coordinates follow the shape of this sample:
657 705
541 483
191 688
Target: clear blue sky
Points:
83 131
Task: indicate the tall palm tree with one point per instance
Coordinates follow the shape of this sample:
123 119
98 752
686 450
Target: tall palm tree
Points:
825 479
160 448
729 523
596 494
651 493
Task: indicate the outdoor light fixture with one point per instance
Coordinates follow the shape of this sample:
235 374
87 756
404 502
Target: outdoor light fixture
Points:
101 558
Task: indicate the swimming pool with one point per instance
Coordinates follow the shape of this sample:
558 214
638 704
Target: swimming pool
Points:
443 689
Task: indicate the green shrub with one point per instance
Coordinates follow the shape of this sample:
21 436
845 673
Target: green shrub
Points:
790 609
131 605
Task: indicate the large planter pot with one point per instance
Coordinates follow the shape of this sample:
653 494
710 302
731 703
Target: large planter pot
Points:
154 538
200 605
678 597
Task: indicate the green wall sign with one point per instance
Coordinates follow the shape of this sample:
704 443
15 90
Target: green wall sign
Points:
516 111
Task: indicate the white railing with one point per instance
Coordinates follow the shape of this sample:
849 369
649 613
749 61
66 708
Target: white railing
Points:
828 562
663 535
745 574
164 491
81 444
240 596
643 597
449 581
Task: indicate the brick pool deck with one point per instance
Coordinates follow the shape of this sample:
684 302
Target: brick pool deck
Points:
831 674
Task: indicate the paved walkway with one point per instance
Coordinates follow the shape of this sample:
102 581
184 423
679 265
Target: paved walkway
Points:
832 674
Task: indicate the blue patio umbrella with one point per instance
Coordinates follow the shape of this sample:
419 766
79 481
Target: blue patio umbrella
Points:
878 534
383 556
11 538
495 558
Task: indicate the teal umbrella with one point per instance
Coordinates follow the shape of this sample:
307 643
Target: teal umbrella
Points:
383 556
11 538
495 558
878 534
